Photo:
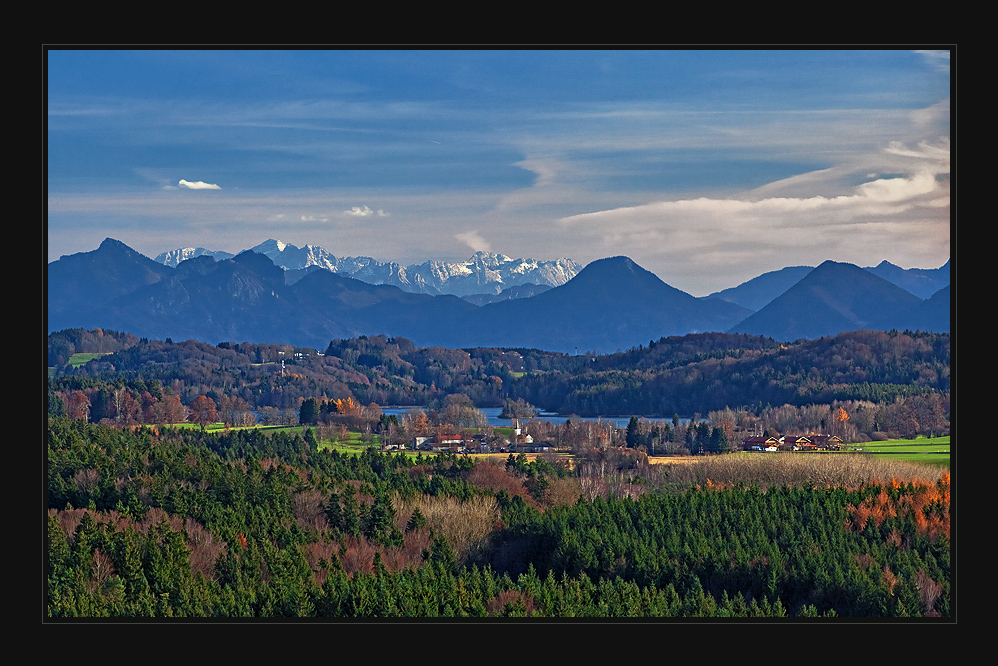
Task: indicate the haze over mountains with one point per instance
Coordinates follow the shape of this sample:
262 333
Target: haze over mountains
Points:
609 304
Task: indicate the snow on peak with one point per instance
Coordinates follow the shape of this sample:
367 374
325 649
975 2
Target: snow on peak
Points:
483 272
270 246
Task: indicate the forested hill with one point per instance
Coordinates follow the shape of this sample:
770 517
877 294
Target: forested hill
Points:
699 373
686 374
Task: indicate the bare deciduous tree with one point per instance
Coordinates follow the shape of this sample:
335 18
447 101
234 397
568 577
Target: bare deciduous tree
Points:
928 591
101 567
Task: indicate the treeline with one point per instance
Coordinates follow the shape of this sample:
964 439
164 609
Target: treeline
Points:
385 371
684 375
145 523
699 373
888 382
63 344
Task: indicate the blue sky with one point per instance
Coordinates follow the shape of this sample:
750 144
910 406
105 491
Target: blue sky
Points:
705 167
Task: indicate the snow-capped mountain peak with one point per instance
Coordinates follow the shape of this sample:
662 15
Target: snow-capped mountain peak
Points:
174 257
270 248
484 272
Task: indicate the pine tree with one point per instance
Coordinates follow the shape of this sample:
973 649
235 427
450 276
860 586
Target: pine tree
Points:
632 438
718 441
416 521
308 414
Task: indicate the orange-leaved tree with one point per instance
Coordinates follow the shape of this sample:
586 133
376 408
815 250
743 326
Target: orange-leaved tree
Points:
203 411
347 406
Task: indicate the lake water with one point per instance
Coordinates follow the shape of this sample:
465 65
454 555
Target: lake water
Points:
492 413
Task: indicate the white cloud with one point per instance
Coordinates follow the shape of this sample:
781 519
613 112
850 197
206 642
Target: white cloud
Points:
880 197
474 240
364 211
198 185
937 59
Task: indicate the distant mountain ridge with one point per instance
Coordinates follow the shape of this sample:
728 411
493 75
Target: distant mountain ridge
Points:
757 292
483 273
486 275
610 304
837 297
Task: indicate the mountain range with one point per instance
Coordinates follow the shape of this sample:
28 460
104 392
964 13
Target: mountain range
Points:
759 291
609 304
483 273
836 297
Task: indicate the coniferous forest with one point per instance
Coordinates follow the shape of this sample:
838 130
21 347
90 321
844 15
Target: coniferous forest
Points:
241 524
150 518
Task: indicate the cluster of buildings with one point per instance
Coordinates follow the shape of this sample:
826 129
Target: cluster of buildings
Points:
792 443
468 442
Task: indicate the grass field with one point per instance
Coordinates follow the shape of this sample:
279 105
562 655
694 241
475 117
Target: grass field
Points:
351 444
76 360
933 451
79 358
929 450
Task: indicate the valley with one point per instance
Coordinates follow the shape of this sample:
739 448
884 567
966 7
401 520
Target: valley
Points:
244 465
481 336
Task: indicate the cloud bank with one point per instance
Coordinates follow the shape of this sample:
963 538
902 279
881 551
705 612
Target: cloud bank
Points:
726 239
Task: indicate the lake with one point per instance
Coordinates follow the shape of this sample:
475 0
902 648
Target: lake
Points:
492 413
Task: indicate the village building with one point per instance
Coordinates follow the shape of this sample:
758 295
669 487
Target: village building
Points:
458 443
792 443
760 443
532 447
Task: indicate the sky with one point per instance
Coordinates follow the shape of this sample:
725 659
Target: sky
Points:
706 167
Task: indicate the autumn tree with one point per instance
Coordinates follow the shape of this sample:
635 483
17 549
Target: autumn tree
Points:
149 407
78 405
839 418
416 423
173 409
347 406
203 411
127 410
517 409
461 412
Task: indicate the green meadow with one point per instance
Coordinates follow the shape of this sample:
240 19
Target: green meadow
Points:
931 450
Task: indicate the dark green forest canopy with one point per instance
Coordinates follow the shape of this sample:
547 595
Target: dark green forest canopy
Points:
689 374
145 523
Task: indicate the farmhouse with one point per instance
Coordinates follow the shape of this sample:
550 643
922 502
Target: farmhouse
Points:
795 443
459 443
530 447
831 442
760 443
442 442
792 443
